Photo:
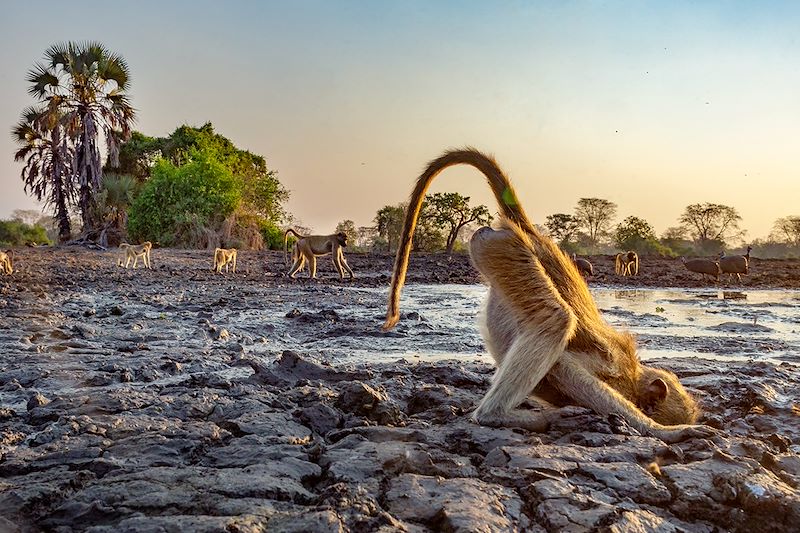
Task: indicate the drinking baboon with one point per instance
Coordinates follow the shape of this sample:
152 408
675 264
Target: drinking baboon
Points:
543 328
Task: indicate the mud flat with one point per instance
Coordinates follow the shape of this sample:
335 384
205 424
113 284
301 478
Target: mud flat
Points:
177 400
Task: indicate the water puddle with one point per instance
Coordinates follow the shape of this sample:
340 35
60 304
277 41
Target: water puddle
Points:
440 321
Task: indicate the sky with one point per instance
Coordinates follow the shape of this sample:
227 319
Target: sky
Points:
652 105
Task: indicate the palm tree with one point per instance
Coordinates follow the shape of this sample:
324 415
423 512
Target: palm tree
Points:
48 158
113 202
86 83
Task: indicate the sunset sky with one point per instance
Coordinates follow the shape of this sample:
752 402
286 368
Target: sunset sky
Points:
652 105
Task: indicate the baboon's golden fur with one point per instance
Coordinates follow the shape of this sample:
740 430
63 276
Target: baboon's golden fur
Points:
543 327
308 247
224 257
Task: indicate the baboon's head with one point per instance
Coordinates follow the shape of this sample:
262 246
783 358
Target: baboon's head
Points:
146 245
663 398
342 238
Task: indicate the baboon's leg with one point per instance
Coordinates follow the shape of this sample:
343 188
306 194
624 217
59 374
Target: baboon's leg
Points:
234 263
135 259
312 266
337 257
529 359
298 264
346 266
545 323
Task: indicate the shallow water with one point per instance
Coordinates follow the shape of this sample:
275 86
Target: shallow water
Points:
758 324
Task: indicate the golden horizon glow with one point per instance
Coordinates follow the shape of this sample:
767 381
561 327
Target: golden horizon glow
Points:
651 106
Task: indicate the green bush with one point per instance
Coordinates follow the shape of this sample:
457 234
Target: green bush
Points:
273 236
178 204
17 233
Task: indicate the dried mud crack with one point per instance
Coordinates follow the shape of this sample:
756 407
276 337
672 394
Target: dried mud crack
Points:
124 407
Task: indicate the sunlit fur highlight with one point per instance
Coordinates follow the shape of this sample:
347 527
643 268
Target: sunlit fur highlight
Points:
543 327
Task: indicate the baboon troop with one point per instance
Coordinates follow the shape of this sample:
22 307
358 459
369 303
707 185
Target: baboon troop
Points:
626 264
543 328
308 247
7 262
224 257
130 251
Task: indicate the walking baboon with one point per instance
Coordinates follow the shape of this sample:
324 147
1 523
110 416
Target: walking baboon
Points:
224 257
130 251
308 247
543 328
626 264
7 262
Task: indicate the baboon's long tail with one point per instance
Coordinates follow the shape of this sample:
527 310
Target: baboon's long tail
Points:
503 192
286 240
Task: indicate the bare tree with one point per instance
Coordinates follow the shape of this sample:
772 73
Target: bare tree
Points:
788 229
709 223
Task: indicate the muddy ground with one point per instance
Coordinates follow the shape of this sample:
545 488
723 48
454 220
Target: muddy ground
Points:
165 401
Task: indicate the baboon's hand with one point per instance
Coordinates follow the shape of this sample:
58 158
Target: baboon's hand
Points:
672 434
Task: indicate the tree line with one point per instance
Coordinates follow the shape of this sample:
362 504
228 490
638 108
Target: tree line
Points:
195 188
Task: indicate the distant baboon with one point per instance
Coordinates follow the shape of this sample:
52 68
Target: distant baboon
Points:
735 264
7 262
706 267
626 264
543 328
130 251
224 257
308 247
584 266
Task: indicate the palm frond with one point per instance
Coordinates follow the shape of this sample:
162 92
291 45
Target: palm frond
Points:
40 78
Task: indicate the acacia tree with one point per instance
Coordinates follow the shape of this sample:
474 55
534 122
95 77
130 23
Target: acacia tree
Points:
635 233
711 224
595 216
48 158
788 229
85 85
562 227
450 211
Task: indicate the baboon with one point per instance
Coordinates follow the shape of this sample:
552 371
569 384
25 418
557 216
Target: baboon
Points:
626 264
7 262
224 257
130 251
543 328
735 264
706 267
308 247
584 266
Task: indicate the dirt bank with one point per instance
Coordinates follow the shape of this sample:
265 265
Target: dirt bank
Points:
164 401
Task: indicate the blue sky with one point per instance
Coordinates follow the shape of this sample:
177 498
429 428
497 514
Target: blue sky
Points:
653 105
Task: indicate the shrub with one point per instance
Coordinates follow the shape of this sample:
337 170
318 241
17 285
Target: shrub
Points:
17 233
179 206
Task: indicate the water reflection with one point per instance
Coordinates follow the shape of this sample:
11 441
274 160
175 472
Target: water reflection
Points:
732 325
